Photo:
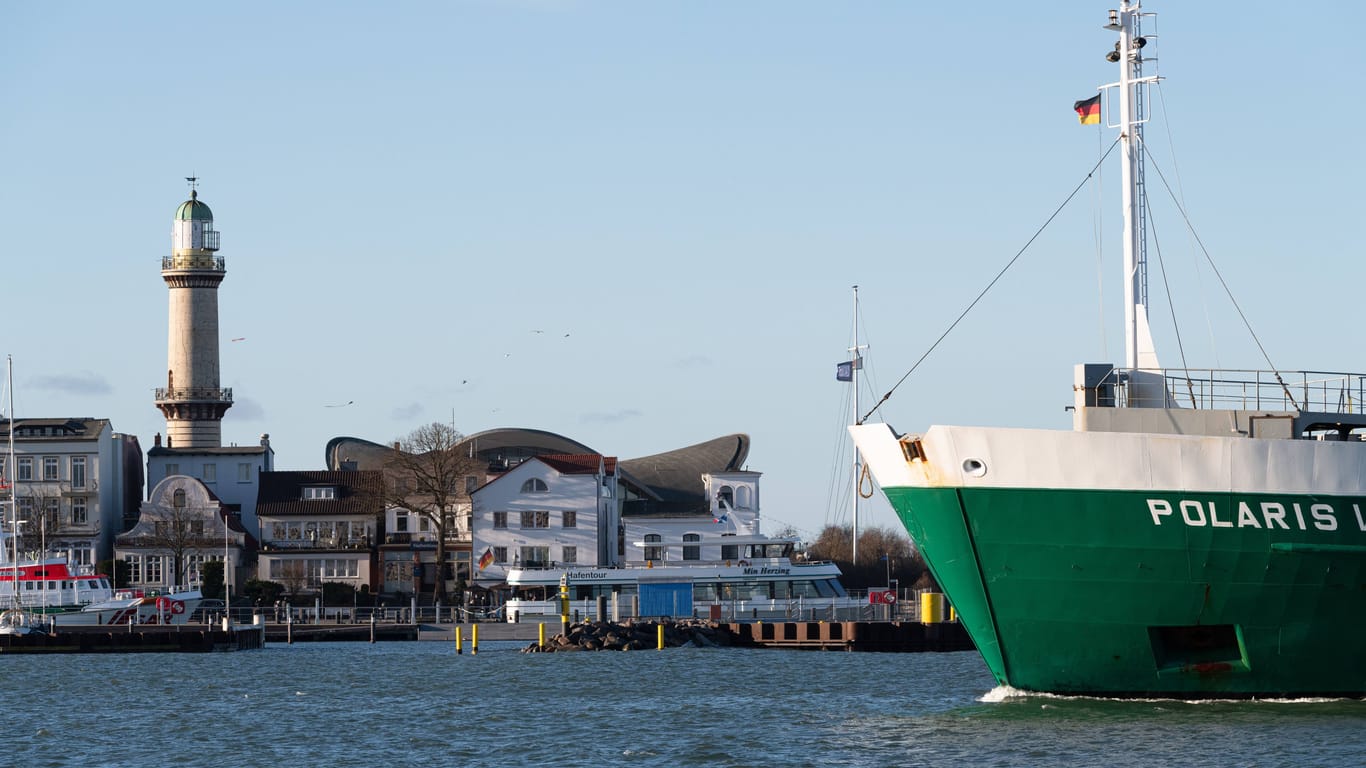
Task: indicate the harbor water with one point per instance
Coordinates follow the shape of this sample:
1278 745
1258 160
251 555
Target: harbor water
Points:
418 703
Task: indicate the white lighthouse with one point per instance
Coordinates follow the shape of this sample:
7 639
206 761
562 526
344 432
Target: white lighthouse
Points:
192 400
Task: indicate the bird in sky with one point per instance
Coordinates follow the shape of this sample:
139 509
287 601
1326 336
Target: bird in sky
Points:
340 405
240 338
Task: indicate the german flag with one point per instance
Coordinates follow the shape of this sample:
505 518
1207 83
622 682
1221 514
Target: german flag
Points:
1088 110
485 559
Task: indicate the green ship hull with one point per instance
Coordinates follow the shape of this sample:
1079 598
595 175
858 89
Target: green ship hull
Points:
1080 592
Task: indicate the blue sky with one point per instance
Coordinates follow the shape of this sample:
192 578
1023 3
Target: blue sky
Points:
679 194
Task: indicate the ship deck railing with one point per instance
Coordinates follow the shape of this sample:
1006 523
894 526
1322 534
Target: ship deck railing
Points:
1247 389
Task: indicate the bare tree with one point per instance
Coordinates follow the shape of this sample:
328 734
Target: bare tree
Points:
177 530
883 554
426 474
293 577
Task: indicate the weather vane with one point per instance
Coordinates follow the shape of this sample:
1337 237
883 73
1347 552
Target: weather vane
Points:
193 181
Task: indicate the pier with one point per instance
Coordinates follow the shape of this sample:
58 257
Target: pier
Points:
885 636
137 639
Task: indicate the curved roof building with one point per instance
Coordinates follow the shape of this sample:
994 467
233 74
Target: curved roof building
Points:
661 482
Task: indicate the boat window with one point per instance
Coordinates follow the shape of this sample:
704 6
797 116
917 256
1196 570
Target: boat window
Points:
706 593
691 552
653 553
823 588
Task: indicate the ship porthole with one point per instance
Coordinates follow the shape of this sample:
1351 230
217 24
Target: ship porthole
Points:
974 468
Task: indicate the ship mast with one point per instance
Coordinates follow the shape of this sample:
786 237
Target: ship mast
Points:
11 472
856 362
1128 53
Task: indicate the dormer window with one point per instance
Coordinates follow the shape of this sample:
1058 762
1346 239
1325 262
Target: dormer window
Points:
535 485
320 493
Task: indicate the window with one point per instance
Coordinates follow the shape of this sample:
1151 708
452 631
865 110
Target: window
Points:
653 553
401 523
152 570
134 567
77 471
742 497
178 498
49 467
534 485
535 519
210 473
26 508
244 472
278 530
500 520
500 554
51 509
569 518
424 523
315 494
533 557
471 484
730 551
569 554
79 516
693 552
25 468
726 496
172 469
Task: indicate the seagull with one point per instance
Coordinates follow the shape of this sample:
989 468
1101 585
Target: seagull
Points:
340 405
536 331
240 338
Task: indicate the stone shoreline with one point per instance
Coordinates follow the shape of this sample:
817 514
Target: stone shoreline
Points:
638 635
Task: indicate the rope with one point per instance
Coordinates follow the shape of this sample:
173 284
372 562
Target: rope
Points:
993 282
1227 291
865 476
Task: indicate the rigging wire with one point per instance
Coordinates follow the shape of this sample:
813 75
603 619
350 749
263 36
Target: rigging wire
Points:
1227 291
993 282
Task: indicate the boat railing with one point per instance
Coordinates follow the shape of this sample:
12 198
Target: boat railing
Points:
1243 389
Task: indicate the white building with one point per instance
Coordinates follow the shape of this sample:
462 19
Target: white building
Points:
557 508
734 511
232 472
182 523
72 480
319 526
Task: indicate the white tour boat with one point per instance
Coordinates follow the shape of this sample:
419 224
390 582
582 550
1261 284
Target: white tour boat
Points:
762 582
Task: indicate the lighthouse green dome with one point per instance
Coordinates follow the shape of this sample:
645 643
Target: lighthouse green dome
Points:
193 210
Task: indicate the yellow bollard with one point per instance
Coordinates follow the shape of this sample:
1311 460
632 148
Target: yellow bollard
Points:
931 607
459 646
660 645
474 639
540 635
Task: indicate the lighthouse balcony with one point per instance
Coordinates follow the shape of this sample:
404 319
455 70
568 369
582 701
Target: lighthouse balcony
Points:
194 394
193 260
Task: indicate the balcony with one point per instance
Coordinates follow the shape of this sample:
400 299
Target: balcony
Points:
189 261
194 394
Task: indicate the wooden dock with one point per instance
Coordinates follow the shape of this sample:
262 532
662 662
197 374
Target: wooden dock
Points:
139 639
886 636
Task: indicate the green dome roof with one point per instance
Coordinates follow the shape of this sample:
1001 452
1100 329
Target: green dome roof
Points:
193 210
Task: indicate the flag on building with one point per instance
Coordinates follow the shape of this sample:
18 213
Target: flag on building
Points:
1088 110
485 558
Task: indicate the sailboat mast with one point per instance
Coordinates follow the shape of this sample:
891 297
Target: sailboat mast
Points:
10 473
854 365
1131 118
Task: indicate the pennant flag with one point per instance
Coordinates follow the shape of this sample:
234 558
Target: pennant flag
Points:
1088 110
485 558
